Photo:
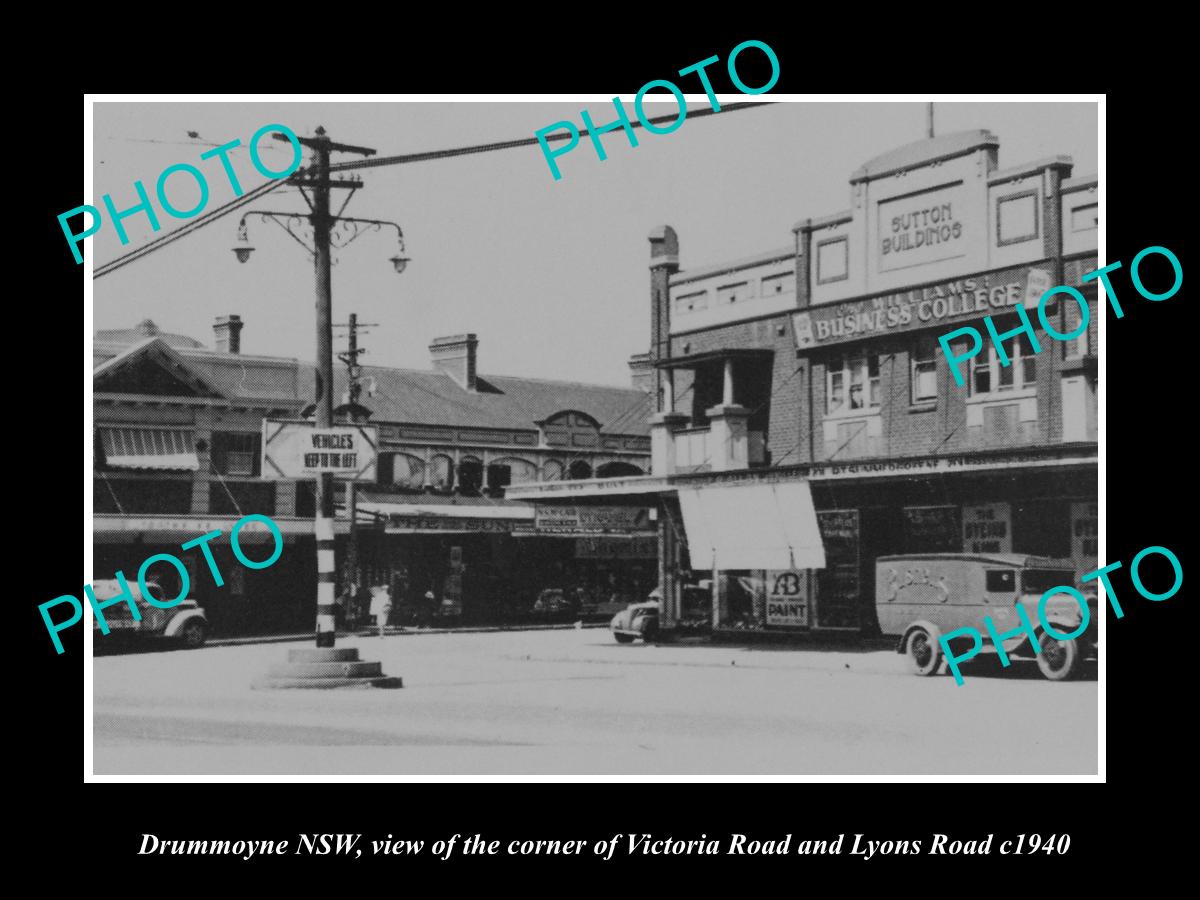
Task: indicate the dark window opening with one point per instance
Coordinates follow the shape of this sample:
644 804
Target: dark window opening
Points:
1000 581
470 477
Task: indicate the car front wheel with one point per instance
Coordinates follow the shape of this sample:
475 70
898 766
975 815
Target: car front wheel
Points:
193 634
924 652
1059 660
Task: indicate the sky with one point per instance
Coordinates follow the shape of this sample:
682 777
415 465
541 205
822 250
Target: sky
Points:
552 276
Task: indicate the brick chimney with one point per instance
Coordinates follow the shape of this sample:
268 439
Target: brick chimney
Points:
455 356
227 332
641 372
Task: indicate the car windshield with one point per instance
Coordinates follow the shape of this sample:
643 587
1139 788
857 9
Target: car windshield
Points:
1038 581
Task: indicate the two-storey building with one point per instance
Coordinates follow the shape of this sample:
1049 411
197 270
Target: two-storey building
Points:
811 378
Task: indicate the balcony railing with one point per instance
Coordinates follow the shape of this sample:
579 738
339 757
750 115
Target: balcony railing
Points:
694 451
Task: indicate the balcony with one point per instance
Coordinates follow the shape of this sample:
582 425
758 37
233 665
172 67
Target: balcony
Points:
723 445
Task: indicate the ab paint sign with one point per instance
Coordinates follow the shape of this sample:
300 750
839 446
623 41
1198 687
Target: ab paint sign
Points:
301 450
787 598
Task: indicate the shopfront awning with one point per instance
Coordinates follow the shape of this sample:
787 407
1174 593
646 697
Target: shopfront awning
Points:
752 526
149 448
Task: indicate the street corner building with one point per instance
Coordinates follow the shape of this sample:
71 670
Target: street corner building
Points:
179 451
807 422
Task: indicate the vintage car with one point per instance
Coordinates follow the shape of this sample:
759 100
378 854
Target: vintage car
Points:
637 620
920 597
640 620
184 622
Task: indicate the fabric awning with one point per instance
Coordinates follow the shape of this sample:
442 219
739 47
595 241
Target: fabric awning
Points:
149 448
752 526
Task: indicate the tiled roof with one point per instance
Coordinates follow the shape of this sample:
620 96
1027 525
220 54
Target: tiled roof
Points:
432 398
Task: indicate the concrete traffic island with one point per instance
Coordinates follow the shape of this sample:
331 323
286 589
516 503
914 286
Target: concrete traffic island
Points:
325 667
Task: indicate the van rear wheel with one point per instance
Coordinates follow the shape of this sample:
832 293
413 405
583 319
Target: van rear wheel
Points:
1059 660
924 652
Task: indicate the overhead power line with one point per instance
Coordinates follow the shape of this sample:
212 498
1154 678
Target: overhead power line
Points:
183 231
372 163
376 162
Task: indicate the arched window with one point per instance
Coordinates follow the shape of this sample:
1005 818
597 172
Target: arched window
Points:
571 428
441 472
618 470
509 470
552 470
579 470
520 471
408 471
470 475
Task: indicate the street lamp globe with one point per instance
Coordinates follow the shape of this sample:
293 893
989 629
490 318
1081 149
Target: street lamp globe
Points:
242 248
400 262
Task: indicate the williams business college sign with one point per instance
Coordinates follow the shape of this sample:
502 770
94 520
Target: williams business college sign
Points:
923 307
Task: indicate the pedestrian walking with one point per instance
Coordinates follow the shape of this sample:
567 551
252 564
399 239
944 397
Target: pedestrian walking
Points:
381 605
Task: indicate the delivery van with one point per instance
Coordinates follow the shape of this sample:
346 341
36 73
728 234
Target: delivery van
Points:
920 597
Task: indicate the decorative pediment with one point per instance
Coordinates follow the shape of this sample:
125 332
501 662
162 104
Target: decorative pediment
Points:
151 368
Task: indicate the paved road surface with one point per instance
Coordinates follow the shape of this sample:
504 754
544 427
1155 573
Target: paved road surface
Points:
577 703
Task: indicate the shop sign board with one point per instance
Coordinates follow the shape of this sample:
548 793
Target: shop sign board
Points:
987 528
554 519
927 306
787 598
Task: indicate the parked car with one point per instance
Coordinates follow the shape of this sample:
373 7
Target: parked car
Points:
920 597
637 620
184 623
555 602
640 620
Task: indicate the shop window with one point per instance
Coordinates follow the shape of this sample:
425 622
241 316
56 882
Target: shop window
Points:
732 293
236 454
693 302
1042 528
924 369
833 260
988 377
1016 218
853 384
783 283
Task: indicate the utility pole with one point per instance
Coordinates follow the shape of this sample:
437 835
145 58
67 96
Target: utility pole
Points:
354 388
322 224
328 230
929 120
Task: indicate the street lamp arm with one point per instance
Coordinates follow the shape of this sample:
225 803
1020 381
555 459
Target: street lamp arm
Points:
346 229
291 222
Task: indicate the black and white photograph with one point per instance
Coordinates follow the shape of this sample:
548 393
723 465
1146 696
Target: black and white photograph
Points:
712 436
